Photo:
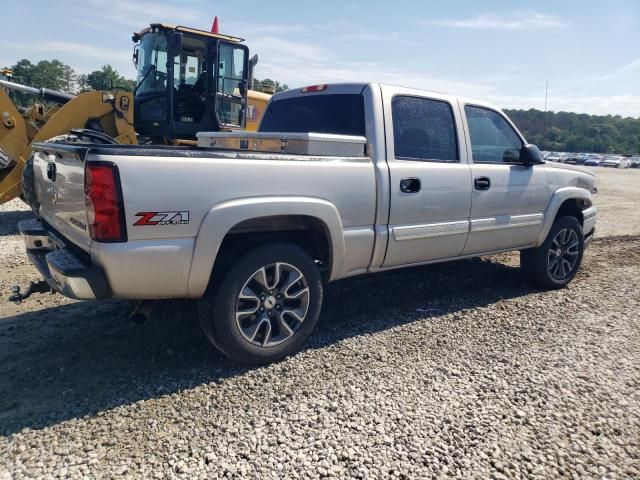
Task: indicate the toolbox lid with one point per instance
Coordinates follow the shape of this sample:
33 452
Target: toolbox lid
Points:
323 144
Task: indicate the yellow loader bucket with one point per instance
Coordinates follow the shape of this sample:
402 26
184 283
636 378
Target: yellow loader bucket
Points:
13 139
16 140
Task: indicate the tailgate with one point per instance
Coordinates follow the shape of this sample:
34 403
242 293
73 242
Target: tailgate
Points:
59 182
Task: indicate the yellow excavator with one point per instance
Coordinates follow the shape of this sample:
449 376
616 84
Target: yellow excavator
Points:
188 81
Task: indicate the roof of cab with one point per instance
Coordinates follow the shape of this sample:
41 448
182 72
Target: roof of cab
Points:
194 31
358 87
335 88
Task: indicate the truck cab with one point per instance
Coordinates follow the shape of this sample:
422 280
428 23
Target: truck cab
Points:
189 81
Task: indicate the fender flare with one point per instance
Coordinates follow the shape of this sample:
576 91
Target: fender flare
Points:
222 217
557 199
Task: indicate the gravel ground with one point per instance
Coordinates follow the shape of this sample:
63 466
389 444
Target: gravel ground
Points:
458 369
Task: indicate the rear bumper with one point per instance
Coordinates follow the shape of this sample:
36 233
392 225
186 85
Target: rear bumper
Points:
60 266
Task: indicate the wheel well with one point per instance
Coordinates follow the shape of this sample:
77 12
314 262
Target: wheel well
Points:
307 232
573 207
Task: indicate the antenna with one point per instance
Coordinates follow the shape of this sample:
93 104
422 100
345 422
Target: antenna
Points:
544 121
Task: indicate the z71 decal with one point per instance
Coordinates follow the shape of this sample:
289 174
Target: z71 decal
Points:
162 218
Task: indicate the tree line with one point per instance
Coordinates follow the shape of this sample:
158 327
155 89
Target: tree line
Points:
259 85
578 132
56 75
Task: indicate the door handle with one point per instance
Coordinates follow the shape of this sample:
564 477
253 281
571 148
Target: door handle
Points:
410 185
482 183
51 171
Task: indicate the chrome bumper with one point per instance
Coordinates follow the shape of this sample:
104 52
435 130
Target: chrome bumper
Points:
62 268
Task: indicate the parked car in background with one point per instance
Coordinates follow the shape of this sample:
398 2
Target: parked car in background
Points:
617 162
577 159
635 162
594 161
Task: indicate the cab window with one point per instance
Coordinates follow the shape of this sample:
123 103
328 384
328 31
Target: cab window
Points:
424 129
493 140
190 82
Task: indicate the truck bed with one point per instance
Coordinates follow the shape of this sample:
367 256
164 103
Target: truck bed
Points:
208 192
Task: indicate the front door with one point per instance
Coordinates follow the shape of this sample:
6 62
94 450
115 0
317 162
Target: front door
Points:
231 84
430 179
509 198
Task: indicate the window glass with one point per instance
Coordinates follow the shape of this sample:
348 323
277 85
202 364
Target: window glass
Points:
424 129
339 114
190 82
493 140
152 64
230 104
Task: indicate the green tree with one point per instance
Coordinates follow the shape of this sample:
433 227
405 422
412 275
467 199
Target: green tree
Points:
107 78
51 74
70 77
83 84
259 85
573 132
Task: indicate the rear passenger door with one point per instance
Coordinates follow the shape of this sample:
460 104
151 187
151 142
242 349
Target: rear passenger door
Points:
429 175
509 198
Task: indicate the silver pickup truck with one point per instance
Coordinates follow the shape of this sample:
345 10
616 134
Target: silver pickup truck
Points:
393 177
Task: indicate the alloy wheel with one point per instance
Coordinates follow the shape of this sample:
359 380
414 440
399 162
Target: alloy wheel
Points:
272 305
563 254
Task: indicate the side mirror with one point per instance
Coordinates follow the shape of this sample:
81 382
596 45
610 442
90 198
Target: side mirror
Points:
530 154
253 61
174 43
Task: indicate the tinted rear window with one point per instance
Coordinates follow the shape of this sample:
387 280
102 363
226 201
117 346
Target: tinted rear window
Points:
338 114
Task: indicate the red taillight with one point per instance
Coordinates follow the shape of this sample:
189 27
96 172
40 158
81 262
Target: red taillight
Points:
315 88
104 203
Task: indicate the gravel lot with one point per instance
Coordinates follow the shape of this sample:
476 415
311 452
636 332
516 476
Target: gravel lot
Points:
458 369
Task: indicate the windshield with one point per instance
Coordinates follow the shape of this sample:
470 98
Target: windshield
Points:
340 114
152 63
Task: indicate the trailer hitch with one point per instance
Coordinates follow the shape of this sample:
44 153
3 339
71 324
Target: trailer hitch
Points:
34 287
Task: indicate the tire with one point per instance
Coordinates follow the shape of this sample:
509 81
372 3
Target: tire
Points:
29 186
556 262
280 306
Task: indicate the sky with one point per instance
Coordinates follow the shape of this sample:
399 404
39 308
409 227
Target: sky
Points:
500 51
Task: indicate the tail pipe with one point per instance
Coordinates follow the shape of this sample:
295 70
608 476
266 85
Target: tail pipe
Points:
50 95
142 311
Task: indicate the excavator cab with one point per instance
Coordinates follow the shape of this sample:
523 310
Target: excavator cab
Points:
188 81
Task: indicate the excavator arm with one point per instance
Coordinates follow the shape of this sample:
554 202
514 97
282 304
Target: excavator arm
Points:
108 112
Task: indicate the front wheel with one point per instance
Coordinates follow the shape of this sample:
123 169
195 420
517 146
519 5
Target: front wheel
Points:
266 306
554 263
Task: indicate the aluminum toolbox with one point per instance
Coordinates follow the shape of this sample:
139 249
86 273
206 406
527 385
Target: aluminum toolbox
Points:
290 143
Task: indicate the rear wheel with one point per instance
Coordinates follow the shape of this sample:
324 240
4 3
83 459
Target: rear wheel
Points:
266 306
554 263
